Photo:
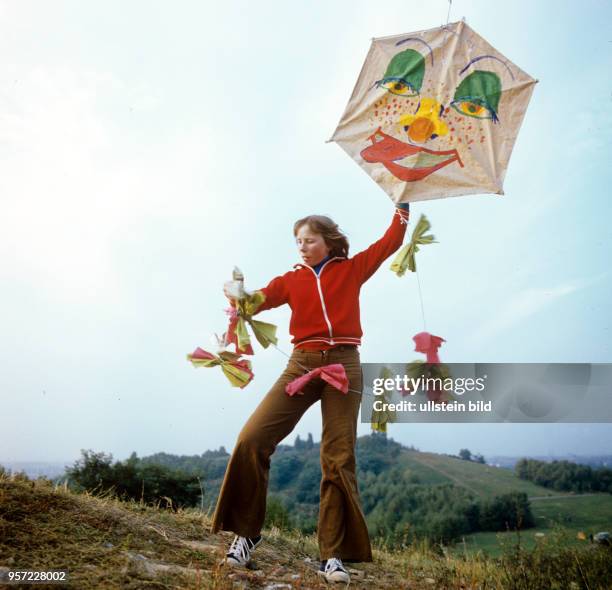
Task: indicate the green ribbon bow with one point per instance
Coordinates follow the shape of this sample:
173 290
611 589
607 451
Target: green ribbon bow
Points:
380 418
238 370
420 368
405 257
264 332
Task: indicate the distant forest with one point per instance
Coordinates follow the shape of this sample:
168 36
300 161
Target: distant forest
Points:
399 508
565 476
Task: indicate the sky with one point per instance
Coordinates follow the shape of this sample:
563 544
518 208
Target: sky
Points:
147 148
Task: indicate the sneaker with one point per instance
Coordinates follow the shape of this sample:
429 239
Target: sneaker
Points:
333 571
239 553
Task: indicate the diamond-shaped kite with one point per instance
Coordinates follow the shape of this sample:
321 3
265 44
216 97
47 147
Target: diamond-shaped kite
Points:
435 114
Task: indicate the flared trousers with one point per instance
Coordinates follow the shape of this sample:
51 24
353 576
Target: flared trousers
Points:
241 507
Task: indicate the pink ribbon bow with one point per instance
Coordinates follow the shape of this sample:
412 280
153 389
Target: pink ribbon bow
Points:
428 344
334 374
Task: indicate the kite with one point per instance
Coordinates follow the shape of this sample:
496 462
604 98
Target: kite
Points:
435 114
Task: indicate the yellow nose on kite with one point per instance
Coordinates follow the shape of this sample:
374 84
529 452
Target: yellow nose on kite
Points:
425 122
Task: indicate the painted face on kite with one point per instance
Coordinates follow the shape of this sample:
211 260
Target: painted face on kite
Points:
421 114
435 114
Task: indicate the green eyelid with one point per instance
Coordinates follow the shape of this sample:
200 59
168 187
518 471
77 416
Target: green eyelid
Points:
482 88
408 66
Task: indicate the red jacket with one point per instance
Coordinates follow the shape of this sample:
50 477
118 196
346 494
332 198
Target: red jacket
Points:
325 308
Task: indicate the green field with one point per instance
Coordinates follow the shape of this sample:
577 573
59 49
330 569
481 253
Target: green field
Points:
560 516
483 480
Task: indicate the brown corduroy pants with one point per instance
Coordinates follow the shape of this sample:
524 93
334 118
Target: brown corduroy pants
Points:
241 506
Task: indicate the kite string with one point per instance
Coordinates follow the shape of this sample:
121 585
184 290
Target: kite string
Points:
416 270
450 3
421 299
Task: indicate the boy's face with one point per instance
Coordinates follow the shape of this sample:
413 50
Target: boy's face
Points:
311 246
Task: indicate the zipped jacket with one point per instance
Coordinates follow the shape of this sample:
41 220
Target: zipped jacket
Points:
325 308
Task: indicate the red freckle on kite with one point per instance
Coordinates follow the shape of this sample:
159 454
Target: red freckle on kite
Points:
376 113
388 106
452 128
447 109
471 141
459 140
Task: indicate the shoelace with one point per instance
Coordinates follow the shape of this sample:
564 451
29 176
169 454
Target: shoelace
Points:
333 563
240 548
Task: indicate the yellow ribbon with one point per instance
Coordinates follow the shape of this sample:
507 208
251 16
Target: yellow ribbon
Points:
237 370
264 332
380 418
405 257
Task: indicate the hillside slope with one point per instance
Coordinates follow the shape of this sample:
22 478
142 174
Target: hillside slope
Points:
480 479
109 544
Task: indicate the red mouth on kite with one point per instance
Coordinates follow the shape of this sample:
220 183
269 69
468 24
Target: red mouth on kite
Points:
406 161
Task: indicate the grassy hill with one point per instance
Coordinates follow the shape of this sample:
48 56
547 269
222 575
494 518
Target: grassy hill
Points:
295 474
480 479
105 543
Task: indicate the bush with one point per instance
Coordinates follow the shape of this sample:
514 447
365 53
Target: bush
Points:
149 483
276 514
508 511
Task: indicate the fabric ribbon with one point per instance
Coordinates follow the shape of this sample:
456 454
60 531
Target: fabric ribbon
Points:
240 316
431 368
428 344
334 374
405 257
380 418
237 370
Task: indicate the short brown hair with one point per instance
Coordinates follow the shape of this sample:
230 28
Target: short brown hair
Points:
335 240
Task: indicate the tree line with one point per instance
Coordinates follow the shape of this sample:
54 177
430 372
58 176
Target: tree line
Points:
398 507
565 476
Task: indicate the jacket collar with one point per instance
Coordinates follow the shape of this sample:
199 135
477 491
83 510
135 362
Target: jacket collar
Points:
300 265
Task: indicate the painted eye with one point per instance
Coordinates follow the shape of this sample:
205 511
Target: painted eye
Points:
398 87
473 109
